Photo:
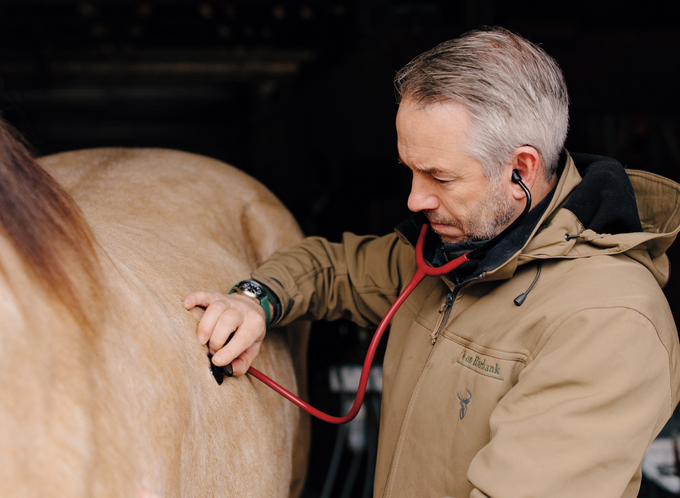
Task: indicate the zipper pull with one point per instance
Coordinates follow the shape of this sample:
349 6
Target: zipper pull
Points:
448 303
444 316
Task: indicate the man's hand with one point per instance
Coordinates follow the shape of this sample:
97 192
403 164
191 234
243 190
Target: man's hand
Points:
226 314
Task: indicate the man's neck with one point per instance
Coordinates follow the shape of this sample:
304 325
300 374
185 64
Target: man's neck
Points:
542 187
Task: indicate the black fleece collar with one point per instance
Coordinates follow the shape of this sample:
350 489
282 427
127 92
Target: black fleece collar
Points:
604 201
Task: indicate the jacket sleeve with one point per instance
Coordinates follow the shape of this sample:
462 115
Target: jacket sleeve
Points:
582 413
357 279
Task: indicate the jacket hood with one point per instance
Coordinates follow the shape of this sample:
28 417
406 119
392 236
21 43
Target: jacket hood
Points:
609 210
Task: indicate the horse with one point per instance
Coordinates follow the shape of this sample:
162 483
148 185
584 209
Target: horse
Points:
104 387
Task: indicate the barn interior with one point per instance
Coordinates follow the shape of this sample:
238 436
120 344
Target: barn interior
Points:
299 94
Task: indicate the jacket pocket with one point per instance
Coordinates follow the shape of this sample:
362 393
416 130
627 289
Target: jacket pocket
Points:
447 420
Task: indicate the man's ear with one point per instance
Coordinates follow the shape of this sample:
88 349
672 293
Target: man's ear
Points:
528 163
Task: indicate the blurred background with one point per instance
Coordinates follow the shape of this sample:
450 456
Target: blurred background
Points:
299 94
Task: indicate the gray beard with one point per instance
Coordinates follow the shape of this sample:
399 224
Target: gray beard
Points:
492 215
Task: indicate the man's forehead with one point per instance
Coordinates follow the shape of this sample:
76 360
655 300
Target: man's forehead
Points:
431 133
435 120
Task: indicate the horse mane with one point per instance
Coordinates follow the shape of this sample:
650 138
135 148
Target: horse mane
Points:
47 230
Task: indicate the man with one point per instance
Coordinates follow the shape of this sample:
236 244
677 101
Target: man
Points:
543 367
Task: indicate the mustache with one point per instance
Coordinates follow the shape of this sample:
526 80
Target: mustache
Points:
434 217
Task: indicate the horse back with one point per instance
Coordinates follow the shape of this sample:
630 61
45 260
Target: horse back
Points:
168 223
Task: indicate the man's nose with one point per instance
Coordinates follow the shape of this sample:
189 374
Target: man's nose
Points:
421 197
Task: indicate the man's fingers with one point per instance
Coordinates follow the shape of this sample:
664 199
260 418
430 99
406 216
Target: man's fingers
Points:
242 340
226 315
227 323
200 298
241 364
207 326
239 367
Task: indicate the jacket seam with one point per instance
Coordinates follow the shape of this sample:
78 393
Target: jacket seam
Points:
310 275
416 310
499 355
306 277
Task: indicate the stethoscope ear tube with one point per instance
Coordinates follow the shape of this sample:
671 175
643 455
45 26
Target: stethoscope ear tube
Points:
527 207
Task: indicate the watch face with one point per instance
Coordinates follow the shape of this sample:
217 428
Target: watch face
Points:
251 289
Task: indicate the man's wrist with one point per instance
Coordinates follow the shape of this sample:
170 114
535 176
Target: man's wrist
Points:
267 299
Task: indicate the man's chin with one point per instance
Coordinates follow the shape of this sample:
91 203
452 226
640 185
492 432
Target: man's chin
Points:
452 240
446 235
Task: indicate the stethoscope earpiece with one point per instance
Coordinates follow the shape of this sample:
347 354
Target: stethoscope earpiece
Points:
515 177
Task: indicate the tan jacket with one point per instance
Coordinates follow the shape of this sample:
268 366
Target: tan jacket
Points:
558 397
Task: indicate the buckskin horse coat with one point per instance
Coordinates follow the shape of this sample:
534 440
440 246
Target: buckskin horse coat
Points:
104 388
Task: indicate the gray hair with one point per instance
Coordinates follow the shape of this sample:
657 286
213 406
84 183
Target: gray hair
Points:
514 91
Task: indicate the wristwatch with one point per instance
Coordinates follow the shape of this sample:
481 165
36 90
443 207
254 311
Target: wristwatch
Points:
252 288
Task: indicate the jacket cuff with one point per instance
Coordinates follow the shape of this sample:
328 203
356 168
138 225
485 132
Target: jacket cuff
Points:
273 289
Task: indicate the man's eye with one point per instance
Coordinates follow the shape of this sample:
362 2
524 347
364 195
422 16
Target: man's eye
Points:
442 180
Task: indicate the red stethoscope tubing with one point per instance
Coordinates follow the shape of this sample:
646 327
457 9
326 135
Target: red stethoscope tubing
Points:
422 270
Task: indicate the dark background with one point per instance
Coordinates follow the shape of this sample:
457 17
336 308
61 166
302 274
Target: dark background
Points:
299 94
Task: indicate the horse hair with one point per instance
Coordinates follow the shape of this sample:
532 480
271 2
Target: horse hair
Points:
46 228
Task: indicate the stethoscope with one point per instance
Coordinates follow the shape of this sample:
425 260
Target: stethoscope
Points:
422 270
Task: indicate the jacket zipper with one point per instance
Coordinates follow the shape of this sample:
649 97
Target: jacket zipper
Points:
444 313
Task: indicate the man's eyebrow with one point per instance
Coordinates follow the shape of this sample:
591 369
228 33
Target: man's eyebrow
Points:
427 171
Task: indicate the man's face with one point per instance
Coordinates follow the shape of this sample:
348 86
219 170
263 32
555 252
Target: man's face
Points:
449 186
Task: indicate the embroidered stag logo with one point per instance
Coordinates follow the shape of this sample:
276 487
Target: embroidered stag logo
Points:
464 400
